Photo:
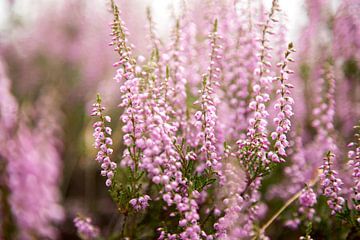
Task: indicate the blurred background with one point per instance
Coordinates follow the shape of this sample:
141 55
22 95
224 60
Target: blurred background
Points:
56 57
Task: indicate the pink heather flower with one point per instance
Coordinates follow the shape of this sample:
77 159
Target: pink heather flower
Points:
85 229
140 203
237 221
296 175
103 142
354 165
237 66
257 130
150 134
307 198
177 76
323 114
206 118
132 99
152 36
331 184
283 106
347 30
293 223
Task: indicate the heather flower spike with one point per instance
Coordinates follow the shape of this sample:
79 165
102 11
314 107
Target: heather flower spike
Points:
103 141
331 184
284 108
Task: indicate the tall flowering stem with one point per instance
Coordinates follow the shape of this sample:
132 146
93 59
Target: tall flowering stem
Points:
103 141
324 113
284 107
131 97
258 123
156 43
257 143
177 75
206 117
331 184
133 117
119 41
254 149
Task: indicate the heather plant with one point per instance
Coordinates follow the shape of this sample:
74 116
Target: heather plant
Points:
178 153
224 130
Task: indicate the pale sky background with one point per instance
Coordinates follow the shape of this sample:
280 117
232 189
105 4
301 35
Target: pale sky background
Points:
294 8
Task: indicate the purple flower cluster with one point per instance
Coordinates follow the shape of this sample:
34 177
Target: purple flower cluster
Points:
237 73
132 99
149 137
140 203
284 107
206 118
103 142
175 62
237 221
331 184
307 197
257 130
85 229
354 165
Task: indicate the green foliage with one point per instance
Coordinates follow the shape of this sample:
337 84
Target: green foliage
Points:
197 181
215 25
350 216
308 229
351 69
305 71
125 187
200 181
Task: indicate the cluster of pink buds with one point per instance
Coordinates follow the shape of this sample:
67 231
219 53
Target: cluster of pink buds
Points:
257 131
284 108
331 184
206 118
103 142
86 230
324 113
354 165
307 200
140 203
307 197
119 39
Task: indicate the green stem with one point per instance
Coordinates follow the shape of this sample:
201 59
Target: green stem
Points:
283 208
124 224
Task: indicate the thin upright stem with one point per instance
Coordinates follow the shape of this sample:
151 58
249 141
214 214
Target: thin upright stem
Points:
283 208
124 224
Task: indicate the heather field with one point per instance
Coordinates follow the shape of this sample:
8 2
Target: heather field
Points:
180 119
